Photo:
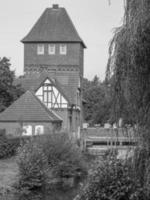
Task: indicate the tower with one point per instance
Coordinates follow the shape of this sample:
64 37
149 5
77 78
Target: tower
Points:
53 52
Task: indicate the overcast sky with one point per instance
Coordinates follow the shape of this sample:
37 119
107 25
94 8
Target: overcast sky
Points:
93 19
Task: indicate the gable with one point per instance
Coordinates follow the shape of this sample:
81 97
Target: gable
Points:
28 108
49 94
34 81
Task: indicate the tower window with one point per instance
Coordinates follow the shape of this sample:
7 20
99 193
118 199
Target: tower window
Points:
51 49
63 49
40 49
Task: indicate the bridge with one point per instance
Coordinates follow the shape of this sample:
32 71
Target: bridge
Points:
98 140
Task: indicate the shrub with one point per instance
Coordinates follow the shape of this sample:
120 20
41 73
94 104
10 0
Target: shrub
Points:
33 166
48 159
64 157
8 146
112 180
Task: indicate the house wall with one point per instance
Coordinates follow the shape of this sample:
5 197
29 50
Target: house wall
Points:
64 114
14 128
71 58
71 120
76 118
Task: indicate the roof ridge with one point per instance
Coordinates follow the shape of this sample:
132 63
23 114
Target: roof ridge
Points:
54 25
55 83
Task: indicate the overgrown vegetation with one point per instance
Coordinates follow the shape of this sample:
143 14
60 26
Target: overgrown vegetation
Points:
47 161
33 166
113 179
129 69
8 91
8 146
129 63
97 94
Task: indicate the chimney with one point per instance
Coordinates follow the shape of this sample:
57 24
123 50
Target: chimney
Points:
55 6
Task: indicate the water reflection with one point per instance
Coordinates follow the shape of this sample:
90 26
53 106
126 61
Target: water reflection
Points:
55 195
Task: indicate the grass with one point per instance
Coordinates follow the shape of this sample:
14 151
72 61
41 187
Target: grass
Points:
8 173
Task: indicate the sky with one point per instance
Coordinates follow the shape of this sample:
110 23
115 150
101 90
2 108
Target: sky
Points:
94 20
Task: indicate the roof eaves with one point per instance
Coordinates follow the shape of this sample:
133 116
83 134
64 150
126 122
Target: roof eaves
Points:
47 110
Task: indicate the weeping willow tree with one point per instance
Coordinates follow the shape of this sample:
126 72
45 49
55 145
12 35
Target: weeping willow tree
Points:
129 65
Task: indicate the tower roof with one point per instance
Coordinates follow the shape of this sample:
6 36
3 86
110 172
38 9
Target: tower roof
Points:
54 25
28 108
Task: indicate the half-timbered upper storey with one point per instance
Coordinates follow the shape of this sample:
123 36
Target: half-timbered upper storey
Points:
50 95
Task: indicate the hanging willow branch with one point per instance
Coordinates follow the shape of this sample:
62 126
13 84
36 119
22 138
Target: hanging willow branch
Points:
129 63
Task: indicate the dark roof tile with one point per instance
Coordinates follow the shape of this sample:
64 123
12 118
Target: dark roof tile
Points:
32 83
28 108
54 25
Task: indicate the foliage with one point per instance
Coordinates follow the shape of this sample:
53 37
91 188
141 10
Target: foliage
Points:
98 101
112 180
33 166
49 159
64 157
8 146
129 64
8 92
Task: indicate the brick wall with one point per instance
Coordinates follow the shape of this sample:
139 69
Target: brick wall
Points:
72 57
13 128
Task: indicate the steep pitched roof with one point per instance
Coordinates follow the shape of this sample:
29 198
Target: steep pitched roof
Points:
54 25
28 108
33 82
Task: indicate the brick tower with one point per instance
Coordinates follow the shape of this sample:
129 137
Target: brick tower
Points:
53 52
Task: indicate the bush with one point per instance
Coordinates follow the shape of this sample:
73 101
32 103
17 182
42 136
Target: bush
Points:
33 166
48 159
64 157
8 146
112 180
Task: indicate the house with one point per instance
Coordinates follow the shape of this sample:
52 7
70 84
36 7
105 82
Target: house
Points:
54 66
31 115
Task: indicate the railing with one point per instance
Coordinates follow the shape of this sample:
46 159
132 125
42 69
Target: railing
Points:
103 139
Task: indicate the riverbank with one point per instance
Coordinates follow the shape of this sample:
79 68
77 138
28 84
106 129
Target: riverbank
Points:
8 175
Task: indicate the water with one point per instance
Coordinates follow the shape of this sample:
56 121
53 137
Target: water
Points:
38 195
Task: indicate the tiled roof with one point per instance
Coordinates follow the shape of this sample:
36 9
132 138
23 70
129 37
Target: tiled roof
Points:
54 25
32 83
28 108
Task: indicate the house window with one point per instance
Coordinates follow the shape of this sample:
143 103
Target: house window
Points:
27 130
51 49
63 49
39 130
40 49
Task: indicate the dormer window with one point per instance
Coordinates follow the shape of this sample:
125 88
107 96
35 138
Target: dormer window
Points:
40 49
51 49
63 49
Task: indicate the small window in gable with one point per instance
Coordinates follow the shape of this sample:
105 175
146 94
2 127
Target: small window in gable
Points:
51 49
40 49
63 49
